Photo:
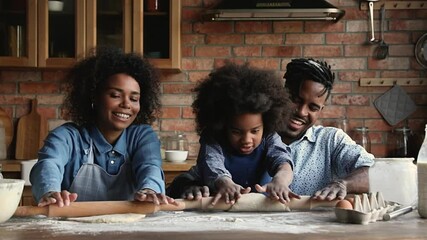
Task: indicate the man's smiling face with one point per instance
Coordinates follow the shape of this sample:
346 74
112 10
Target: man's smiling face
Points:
308 105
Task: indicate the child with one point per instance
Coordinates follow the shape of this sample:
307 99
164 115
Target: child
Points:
109 152
238 109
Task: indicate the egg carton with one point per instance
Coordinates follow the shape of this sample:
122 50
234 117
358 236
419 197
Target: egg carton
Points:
367 208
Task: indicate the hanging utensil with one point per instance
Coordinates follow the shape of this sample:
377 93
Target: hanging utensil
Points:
371 15
381 52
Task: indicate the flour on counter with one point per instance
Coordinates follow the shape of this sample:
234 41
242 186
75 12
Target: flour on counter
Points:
111 218
289 222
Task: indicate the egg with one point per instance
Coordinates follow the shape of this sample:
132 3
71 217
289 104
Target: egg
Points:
344 204
351 200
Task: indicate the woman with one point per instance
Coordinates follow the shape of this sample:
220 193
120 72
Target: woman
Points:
109 151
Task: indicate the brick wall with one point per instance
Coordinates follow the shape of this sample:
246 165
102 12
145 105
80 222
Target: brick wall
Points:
269 45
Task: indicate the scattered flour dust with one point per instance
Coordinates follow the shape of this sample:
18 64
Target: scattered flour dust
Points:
289 222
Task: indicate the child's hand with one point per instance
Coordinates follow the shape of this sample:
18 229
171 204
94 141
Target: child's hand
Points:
148 195
228 190
278 188
196 192
61 199
277 191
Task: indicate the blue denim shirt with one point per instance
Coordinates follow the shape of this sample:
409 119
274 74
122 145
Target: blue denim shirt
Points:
215 160
66 149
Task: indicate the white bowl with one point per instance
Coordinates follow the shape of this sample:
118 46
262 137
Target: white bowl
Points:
55 6
10 192
176 156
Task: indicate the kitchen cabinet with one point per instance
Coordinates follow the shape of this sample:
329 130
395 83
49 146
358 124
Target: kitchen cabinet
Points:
31 35
161 36
18 29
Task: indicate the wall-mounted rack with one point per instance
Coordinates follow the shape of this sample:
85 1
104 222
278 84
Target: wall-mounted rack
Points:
394 4
375 82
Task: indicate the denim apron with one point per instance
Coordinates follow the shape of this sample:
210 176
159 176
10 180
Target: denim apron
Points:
248 170
92 183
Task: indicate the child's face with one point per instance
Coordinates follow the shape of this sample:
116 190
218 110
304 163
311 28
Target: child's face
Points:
245 132
118 104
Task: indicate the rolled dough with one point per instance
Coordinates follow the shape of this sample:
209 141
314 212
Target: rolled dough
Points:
257 202
111 218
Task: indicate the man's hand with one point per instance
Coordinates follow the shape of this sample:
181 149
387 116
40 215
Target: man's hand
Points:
335 190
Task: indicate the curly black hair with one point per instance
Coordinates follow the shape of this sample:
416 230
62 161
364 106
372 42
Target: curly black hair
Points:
237 89
88 77
301 69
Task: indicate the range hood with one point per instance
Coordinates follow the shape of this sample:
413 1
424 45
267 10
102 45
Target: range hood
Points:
273 10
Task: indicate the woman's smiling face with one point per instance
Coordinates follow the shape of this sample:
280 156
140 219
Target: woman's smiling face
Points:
118 105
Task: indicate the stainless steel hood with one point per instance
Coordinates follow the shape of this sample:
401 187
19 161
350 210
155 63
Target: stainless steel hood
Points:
273 10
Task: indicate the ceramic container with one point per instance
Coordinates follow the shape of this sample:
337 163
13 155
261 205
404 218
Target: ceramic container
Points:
26 167
176 155
395 178
10 192
55 6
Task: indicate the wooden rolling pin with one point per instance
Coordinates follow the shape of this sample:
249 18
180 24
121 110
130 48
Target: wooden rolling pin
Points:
85 209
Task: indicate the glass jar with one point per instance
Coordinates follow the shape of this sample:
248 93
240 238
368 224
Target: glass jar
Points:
163 142
177 142
361 137
343 124
399 141
3 149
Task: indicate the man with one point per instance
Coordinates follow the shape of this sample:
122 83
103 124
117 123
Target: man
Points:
328 164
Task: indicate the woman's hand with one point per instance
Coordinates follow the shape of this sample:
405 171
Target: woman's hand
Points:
61 199
148 195
195 192
228 190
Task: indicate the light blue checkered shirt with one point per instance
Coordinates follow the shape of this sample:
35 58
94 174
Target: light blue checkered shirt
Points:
322 155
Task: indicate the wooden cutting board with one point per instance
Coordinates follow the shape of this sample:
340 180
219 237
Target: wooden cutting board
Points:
7 124
31 132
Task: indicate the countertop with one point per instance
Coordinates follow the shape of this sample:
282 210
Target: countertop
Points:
317 224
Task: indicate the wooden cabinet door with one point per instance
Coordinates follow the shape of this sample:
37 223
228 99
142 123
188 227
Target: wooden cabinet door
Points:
109 23
18 41
157 34
61 35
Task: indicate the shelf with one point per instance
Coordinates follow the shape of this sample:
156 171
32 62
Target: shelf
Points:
383 82
394 5
156 14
